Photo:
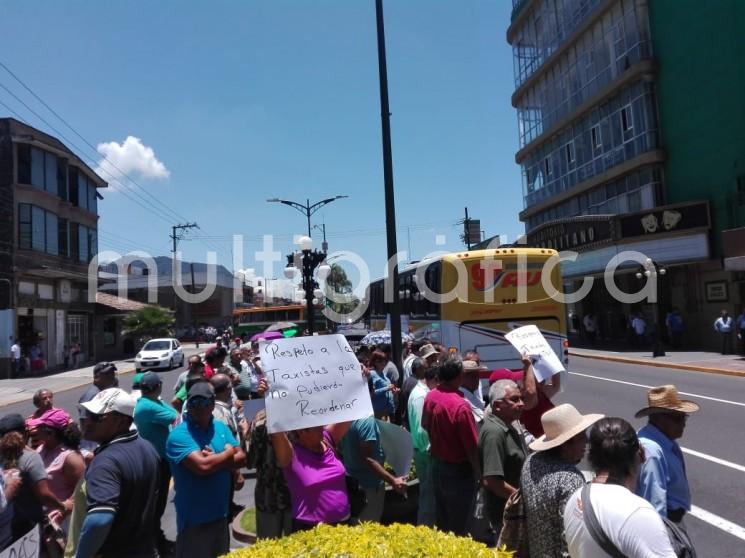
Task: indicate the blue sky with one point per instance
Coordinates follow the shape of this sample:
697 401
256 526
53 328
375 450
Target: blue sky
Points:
243 101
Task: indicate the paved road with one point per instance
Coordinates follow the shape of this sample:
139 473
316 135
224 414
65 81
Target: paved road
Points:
714 433
68 400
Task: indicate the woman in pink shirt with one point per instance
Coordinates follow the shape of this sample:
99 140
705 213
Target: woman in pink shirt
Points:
59 449
315 475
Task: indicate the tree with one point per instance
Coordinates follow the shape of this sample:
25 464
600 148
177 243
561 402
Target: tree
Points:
338 283
148 322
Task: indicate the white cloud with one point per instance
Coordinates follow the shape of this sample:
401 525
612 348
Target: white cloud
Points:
132 158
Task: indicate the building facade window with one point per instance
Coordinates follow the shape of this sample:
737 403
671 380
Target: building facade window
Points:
599 144
615 42
627 119
635 191
109 332
43 231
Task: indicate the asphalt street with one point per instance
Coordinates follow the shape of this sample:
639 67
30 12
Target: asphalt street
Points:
716 470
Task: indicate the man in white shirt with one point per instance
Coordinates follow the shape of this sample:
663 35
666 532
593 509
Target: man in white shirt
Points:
723 326
15 358
470 389
629 522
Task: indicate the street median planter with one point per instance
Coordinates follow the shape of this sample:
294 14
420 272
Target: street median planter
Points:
244 526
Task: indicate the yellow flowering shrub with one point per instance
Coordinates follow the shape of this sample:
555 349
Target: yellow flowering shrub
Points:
369 540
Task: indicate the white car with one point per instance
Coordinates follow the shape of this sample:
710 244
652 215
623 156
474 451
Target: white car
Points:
160 353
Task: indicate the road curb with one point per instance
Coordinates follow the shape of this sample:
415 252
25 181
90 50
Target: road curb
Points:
661 364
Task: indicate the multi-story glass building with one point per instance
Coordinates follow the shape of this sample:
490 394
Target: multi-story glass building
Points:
616 103
49 235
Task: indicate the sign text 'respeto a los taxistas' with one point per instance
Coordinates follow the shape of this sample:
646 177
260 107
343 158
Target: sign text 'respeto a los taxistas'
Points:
313 381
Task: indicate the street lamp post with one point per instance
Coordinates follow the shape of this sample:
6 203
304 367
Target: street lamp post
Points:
651 270
310 261
306 209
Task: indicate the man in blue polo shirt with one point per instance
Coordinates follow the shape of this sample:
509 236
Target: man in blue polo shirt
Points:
202 453
121 481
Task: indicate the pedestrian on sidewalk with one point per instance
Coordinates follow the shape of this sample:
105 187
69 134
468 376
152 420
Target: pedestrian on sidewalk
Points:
202 453
153 418
628 522
740 325
674 324
639 327
550 476
591 327
15 358
724 325
663 481
121 482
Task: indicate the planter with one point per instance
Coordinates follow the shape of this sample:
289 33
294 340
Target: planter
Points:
401 509
239 533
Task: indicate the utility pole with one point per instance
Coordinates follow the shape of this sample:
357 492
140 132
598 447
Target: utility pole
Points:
390 205
468 230
175 237
325 245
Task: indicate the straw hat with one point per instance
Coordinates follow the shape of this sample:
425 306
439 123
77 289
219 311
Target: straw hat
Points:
561 424
663 399
427 351
472 366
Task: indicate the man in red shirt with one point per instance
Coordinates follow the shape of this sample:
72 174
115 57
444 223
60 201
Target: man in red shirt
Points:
456 471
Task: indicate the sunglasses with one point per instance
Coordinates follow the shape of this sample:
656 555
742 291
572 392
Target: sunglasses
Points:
199 403
93 417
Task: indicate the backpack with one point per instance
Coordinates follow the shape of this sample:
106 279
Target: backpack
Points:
514 534
679 539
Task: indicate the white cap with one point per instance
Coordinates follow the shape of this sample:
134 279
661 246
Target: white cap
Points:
111 400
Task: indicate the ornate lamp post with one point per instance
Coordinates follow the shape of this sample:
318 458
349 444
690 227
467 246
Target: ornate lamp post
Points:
653 270
311 261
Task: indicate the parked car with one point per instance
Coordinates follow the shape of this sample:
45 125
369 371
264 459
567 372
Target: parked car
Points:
160 353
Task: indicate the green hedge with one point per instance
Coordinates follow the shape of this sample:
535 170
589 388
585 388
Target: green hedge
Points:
369 540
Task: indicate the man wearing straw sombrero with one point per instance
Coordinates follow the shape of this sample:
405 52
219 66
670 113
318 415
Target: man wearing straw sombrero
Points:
663 481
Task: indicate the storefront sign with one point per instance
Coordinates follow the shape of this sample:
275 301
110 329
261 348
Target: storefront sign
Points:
716 291
667 219
572 234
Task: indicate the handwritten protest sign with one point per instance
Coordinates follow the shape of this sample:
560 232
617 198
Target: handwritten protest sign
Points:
26 547
529 340
313 381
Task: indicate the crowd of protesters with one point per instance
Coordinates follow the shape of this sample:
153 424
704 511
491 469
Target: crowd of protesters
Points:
494 458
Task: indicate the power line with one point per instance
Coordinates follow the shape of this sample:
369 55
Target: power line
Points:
105 159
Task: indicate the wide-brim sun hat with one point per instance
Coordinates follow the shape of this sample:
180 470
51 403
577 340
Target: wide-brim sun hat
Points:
560 424
664 399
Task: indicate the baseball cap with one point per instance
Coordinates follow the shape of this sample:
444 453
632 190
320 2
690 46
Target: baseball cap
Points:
104 368
200 389
505 374
53 418
150 381
112 400
12 423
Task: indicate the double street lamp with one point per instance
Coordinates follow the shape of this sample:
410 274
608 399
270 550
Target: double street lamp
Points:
306 209
310 261
653 270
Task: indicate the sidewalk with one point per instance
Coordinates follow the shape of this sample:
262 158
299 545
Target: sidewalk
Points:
697 361
23 389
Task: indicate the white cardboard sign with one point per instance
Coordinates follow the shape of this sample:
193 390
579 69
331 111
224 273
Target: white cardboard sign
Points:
529 340
313 381
26 547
